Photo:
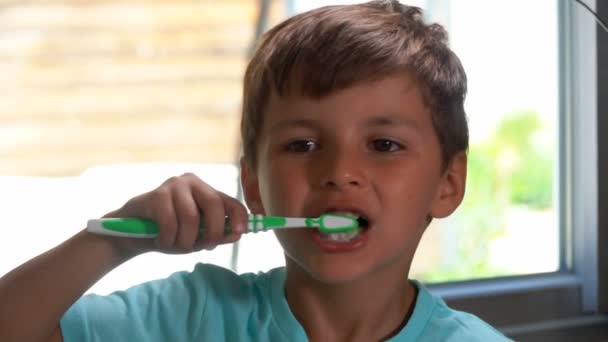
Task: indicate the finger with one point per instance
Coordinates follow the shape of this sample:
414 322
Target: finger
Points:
231 238
211 206
237 217
161 211
188 216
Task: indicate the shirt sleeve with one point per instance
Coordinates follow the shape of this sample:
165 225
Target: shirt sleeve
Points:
161 310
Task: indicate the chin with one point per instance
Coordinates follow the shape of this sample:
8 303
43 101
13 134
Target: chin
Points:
332 271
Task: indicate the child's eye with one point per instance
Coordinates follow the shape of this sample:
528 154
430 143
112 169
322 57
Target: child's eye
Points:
301 146
385 145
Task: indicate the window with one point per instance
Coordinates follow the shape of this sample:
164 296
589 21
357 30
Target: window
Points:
104 100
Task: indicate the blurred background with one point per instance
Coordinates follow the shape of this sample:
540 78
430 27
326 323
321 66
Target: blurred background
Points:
101 100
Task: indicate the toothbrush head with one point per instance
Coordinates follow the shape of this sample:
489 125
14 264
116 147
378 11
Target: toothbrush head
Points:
336 223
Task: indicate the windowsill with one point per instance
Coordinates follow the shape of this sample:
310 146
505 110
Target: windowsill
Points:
504 286
522 300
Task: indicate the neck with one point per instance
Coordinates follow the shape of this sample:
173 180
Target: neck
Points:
373 308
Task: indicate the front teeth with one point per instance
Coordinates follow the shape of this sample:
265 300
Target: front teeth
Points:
347 236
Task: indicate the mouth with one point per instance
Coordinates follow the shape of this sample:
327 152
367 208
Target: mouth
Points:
345 237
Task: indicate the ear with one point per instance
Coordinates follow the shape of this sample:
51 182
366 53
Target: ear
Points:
451 188
251 188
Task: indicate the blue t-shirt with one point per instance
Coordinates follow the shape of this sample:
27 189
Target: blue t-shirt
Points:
215 304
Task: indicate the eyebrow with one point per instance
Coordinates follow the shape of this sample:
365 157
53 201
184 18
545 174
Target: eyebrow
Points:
293 123
386 120
377 121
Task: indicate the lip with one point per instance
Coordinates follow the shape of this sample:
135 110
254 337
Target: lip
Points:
330 246
339 247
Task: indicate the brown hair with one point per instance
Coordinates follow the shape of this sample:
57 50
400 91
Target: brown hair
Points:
333 47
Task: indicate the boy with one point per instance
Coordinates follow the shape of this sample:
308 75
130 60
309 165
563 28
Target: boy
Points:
348 109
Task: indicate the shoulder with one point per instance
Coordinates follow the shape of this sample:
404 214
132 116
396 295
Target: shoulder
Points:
433 320
458 325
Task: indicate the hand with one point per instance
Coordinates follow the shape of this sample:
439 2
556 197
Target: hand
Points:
178 206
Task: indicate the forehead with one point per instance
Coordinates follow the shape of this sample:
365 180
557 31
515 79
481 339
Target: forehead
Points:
395 94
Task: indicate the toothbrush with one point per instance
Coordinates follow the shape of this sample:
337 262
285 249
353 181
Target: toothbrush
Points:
143 228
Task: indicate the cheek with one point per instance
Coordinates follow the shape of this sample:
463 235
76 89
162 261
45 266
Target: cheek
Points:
408 186
280 186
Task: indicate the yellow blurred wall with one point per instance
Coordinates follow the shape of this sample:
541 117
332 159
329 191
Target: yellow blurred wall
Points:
87 82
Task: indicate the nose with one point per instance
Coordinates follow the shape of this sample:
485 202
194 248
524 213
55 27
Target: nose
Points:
340 170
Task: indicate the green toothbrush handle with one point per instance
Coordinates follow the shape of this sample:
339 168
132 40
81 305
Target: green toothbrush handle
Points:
144 228
130 227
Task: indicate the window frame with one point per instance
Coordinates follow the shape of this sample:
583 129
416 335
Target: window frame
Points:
602 122
566 302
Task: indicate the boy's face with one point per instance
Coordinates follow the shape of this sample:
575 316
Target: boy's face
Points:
371 150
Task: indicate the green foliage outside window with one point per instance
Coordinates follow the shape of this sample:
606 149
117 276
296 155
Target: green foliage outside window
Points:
510 170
